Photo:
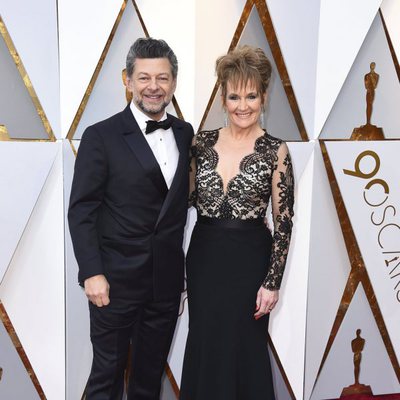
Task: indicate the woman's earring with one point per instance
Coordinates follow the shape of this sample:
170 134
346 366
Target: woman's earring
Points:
262 118
225 119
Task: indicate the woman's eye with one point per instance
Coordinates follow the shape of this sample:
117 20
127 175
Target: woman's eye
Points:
232 97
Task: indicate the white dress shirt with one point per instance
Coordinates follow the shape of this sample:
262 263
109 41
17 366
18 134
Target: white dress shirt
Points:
162 143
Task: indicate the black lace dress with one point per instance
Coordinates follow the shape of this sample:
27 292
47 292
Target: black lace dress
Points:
231 254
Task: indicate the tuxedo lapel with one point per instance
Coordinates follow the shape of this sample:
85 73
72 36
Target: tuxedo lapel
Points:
142 151
180 169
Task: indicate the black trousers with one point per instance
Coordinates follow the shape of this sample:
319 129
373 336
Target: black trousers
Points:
150 327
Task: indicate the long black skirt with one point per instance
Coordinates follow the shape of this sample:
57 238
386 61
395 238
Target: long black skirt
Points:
226 356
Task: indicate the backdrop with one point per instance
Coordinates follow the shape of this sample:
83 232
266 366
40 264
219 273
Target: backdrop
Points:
60 70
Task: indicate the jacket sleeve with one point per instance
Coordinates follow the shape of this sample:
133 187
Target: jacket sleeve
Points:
87 194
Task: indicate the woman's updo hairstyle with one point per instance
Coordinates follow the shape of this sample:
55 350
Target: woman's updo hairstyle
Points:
241 66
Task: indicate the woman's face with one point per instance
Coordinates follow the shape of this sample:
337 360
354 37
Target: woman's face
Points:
243 105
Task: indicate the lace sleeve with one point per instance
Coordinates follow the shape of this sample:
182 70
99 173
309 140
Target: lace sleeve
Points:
192 174
282 209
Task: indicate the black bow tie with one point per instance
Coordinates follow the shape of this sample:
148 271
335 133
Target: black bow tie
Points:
154 125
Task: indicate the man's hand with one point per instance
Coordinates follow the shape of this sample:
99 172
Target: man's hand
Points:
97 290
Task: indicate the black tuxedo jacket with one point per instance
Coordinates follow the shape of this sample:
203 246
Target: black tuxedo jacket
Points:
123 220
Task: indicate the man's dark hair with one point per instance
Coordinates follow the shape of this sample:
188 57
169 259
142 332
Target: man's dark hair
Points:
150 48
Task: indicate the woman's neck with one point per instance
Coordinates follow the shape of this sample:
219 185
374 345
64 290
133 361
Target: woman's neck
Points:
239 134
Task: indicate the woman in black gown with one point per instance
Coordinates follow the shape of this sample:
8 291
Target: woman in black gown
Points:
234 263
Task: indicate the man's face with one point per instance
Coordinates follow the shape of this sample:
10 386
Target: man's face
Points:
152 85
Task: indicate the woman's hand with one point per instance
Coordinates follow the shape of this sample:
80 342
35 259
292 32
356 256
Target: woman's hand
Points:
265 301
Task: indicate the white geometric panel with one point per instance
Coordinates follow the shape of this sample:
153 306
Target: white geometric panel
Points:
84 28
342 29
108 94
329 269
15 101
78 352
279 120
32 26
32 290
288 321
368 177
216 22
24 169
391 14
175 358
301 154
15 382
349 110
167 391
280 387
296 24
376 369
177 351
181 38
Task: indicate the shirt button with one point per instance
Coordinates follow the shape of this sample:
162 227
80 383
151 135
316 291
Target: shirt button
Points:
165 163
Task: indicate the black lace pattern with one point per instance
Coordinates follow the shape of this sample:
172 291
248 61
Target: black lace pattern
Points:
263 175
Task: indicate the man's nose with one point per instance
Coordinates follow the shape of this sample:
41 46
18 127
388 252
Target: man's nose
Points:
153 85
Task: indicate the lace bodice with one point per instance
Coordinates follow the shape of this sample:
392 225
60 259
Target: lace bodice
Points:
264 174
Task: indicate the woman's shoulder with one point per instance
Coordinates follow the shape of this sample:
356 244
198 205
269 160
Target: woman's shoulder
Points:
269 142
273 139
206 137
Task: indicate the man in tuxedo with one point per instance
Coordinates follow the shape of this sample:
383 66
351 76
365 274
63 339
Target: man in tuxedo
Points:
126 216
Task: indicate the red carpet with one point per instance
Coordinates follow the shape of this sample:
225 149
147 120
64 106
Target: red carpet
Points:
395 396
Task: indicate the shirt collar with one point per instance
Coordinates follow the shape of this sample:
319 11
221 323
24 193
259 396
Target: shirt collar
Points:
141 117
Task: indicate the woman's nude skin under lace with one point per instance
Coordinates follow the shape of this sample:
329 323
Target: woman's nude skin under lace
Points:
264 174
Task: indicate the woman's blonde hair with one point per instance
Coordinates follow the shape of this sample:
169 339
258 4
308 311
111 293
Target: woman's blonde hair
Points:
242 66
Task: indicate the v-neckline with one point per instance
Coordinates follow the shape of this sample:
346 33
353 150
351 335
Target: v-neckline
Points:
225 190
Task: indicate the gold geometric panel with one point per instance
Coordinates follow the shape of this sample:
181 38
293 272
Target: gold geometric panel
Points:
95 75
271 46
355 105
390 43
358 275
281 380
5 321
356 356
105 94
21 114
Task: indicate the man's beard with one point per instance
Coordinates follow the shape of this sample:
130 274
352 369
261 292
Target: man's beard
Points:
151 111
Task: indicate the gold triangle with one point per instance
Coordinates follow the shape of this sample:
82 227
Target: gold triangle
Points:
96 72
29 87
265 18
389 40
358 274
4 318
281 368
